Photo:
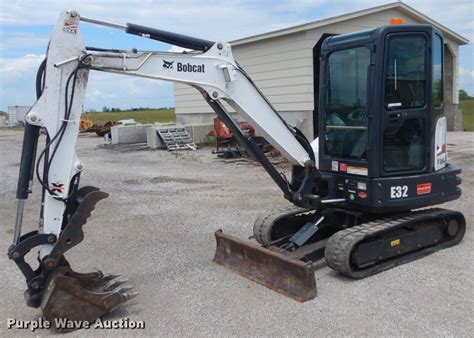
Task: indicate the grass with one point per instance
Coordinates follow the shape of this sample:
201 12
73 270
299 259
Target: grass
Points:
141 116
467 108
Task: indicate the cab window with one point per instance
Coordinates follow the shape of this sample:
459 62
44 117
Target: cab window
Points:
405 73
345 133
437 88
404 145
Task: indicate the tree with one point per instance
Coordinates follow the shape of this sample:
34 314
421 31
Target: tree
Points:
463 95
105 109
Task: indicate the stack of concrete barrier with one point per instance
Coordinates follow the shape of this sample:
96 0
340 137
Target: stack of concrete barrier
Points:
199 131
153 140
129 134
147 133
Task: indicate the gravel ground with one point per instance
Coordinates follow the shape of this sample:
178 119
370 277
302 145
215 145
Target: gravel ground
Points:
157 226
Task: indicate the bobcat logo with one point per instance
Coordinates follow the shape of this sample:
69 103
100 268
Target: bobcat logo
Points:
168 64
56 187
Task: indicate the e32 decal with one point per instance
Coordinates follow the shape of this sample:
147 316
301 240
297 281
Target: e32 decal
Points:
399 191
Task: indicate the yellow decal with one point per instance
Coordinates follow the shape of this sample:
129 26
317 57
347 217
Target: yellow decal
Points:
395 242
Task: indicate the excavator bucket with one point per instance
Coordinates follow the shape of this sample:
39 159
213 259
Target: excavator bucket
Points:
290 277
79 297
82 297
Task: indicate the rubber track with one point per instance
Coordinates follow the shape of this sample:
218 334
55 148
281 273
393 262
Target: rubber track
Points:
339 247
264 223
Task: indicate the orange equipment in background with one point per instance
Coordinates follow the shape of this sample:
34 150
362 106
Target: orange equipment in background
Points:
85 124
224 136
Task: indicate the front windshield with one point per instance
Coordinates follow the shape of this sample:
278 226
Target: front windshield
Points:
346 104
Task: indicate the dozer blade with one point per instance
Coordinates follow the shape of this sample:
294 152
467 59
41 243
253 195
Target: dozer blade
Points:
290 277
82 297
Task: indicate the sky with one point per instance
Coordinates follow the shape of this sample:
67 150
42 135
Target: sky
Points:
25 27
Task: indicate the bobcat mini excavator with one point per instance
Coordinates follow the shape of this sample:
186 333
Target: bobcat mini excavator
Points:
380 154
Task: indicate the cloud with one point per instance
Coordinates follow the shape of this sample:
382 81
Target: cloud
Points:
459 16
466 79
467 73
17 67
115 90
226 20
17 79
177 49
22 40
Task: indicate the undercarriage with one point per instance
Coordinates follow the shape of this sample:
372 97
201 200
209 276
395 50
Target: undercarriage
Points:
354 244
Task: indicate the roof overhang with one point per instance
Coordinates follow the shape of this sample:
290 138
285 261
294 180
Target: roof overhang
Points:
404 8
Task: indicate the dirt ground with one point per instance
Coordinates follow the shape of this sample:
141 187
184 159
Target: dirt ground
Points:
157 227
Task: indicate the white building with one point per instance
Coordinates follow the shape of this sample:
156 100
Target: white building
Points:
3 119
284 64
17 114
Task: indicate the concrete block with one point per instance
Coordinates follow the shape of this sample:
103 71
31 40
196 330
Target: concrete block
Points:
129 134
199 131
153 140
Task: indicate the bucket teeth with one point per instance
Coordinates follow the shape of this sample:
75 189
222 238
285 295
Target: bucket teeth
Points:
122 289
109 277
113 284
83 297
130 295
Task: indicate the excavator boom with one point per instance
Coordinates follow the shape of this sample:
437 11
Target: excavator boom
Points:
61 87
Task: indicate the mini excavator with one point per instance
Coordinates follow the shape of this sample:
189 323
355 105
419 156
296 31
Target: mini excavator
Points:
360 190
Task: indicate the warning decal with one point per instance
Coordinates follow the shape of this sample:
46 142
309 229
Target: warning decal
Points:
357 170
71 26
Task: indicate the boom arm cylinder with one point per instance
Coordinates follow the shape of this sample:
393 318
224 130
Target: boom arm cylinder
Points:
169 37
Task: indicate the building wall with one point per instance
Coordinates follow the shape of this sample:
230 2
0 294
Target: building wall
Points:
282 67
17 114
451 85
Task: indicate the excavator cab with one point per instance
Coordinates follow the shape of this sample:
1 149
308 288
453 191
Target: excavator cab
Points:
382 153
382 126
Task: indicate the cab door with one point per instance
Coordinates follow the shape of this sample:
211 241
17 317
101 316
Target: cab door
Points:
405 112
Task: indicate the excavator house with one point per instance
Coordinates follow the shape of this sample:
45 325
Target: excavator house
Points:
359 191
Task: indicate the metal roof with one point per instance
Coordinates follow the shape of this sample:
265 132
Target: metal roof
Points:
404 8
